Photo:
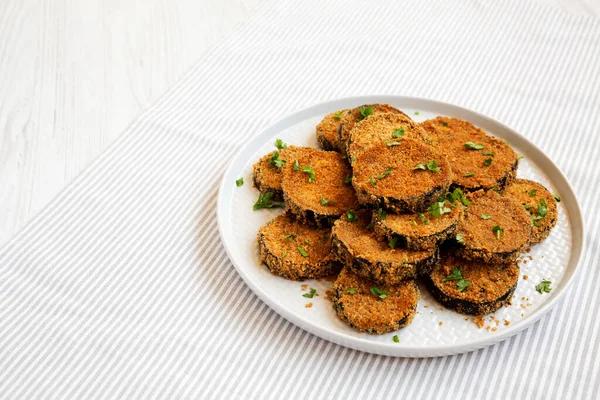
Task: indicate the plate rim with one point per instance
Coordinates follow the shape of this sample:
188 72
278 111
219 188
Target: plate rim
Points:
394 349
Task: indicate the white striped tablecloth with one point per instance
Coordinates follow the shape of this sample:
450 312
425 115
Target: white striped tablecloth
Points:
121 288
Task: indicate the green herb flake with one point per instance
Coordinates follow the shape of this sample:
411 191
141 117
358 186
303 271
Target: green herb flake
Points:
416 113
498 230
393 242
351 290
372 180
485 216
276 161
420 166
432 166
458 194
438 209
385 173
283 255
455 275
488 153
381 214
337 115
557 198
521 157
325 202
414 223
532 193
424 219
390 144
543 286
348 179
302 251
352 160
310 294
351 216
265 201
290 237
365 112
280 144
307 169
462 284
542 208
398 133
395 339
487 161
469 174
473 146
535 221
377 292
460 237
239 182
444 123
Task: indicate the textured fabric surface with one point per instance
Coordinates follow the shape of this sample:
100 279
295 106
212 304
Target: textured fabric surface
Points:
121 287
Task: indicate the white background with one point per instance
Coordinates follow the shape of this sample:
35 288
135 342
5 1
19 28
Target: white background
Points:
74 74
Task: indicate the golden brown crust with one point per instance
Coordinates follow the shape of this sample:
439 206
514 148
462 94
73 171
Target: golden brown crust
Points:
530 195
479 239
266 177
439 127
303 198
367 313
417 231
404 189
381 128
352 116
278 243
327 131
489 286
502 168
356 245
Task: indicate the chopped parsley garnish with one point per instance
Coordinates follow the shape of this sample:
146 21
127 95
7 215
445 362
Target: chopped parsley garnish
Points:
306 241
385 173
393 242
532 193
473 146
431 165
488 153
265 201
283 255
542 208
498 230
414 223
381 214
398 133
557 198
438 208
521 157
280 144
372 180
382 294
390 144
416 113
348 179
337 115
485 216
487 161
276 161
395 339
456 275
458 194
239 182
351 290
290 237
310 294
351 216
444 123
325 202
469 174
302 251
352 160
543 286
424 219
365 112
527 207
460 237
535 221
307 169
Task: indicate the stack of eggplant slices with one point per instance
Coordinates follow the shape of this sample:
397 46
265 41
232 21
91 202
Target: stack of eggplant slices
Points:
388 201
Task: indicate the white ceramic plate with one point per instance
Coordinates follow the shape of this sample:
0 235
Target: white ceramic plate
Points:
434 331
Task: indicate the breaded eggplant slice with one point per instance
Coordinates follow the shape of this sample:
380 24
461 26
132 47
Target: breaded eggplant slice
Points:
354 115
388 128
472 287
385 176
314 186
540 203
439 127
267 174
370 307
479 161
296 251
494 229
356 246
420 231
327 131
